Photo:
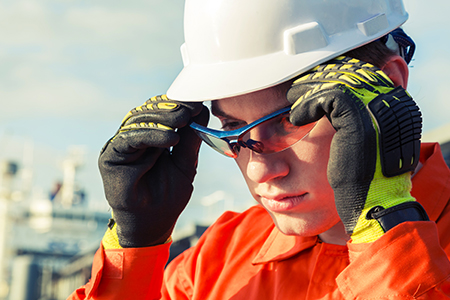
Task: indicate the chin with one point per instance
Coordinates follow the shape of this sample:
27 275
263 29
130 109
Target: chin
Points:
297 226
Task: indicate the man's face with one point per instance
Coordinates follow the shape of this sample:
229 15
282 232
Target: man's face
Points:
291 185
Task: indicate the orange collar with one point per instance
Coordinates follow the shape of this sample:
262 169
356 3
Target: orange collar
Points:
431 184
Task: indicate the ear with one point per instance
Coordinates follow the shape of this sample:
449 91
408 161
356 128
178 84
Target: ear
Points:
397 70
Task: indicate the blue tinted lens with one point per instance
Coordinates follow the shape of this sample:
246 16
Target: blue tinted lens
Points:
270 134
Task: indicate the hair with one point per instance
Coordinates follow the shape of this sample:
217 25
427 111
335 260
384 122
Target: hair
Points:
376 53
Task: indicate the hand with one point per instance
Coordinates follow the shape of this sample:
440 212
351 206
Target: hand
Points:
147 170
376 145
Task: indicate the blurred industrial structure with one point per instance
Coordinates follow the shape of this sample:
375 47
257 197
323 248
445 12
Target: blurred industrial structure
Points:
41 234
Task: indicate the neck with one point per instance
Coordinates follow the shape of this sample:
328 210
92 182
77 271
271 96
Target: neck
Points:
335 235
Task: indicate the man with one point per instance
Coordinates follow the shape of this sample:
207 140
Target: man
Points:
327 143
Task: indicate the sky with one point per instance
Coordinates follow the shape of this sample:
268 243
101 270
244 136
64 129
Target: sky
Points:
71 69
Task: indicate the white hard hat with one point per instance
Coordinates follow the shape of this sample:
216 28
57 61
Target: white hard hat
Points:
233 47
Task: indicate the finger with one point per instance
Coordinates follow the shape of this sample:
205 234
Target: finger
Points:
311 102
162 110
185 153
132 140
194 107
170 114
360 69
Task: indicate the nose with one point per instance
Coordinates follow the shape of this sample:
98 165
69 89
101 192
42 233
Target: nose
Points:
264 168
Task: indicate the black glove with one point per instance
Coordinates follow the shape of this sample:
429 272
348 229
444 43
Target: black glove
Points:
376 145
148 168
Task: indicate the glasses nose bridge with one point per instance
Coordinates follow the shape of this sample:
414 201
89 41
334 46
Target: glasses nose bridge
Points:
260 132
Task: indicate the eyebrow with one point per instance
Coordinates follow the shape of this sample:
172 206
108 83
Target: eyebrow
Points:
216 111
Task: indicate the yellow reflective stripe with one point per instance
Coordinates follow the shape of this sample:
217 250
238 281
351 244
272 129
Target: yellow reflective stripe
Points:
317 88
167 106
353 61
349 79
317 75
303 78
379 72
141 125
297 102
346 67
129 114
326 85
306 95
365 74
329 85
161 126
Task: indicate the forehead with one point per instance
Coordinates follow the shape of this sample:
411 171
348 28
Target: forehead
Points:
256 104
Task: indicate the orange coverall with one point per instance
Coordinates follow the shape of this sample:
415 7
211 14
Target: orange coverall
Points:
244 256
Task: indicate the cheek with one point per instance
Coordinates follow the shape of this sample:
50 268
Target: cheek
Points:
312 155
315 148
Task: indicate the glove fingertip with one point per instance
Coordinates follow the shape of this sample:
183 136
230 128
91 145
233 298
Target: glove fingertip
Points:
202 117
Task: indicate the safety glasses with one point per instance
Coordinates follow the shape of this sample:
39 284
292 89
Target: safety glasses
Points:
270 134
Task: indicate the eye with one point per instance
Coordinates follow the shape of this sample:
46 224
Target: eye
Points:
284 126
232 125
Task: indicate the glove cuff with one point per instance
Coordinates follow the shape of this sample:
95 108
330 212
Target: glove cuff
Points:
378 220
110 239
391 217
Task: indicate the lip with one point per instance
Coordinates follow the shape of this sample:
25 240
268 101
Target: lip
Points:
282 203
